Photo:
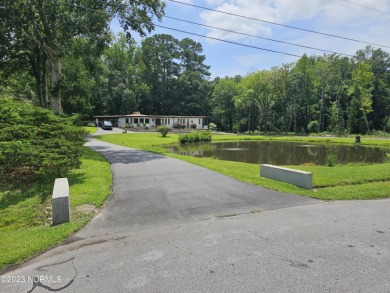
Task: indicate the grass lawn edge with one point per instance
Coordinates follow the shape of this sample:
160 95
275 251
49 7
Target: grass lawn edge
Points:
83 192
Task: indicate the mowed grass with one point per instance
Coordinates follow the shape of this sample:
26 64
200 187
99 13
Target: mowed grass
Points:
342 182
25 210
89 130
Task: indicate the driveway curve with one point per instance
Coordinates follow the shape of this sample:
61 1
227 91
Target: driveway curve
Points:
150 189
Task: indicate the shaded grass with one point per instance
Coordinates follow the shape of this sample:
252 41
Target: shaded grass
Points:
25 210
341 182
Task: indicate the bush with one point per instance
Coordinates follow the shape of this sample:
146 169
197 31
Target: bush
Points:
164 130
313 127
212 126
193 125
35 143
179 126
195 137
91 125
330 160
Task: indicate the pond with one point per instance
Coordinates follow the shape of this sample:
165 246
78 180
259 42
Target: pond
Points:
283 153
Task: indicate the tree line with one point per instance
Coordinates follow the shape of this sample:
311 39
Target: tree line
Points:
315 94
62 57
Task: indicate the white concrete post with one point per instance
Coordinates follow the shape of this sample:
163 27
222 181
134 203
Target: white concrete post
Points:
60 202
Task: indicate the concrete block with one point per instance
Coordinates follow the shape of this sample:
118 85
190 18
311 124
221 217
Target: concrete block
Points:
60 202
296 177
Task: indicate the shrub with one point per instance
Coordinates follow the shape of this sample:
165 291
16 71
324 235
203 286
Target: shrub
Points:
179 126
91 125
195 137
313 127
212 126
163 130
330 160
35 143
193 125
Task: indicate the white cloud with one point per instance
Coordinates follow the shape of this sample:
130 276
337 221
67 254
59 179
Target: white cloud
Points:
336 16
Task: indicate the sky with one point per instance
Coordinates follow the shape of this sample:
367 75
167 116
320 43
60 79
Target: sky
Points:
363 20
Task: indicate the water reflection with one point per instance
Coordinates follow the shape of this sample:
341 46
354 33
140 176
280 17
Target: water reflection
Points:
283 153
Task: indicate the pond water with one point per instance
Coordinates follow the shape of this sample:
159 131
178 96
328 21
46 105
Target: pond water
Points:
283 153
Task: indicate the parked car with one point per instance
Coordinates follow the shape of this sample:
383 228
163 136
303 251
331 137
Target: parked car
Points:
107 125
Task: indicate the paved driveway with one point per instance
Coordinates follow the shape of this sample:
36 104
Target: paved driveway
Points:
174 227
150 190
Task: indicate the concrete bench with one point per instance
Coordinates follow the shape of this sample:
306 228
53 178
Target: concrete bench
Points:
299 178
60 202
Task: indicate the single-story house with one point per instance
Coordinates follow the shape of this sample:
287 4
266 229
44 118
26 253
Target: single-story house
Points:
137 119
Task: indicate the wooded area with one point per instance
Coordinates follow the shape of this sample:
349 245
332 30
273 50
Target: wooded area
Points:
63 57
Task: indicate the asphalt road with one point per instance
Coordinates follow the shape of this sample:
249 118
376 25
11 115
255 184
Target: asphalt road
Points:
174 227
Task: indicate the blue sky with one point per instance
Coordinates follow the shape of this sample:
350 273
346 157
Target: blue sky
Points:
337 17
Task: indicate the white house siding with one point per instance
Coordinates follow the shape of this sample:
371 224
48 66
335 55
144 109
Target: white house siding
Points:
163 120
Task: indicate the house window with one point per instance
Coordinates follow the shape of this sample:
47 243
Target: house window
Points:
199 121
169 121
147 120
135 120
141 120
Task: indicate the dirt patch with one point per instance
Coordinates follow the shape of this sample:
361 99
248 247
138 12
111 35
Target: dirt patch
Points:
87 208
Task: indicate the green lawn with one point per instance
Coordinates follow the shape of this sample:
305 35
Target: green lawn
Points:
90 130
364 181
25 210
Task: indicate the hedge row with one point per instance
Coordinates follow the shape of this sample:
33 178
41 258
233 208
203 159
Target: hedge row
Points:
195 137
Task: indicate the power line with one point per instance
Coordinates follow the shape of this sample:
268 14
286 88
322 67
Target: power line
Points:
199 35
365 6
258 37
279 24
226 41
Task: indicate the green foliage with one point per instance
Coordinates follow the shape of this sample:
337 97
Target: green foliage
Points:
330 160
212 126
195 137
163 130
34 143
387 124
313 127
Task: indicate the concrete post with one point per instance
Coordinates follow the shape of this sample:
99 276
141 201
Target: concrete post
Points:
60 202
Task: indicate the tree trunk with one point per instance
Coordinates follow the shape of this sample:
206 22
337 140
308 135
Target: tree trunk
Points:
366 121
56 78
45 91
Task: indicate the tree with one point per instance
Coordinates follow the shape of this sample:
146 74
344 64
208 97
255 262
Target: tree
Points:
258 92
361 89
223 97
321 83
121 81
191 58
160 70
51 25
380 66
